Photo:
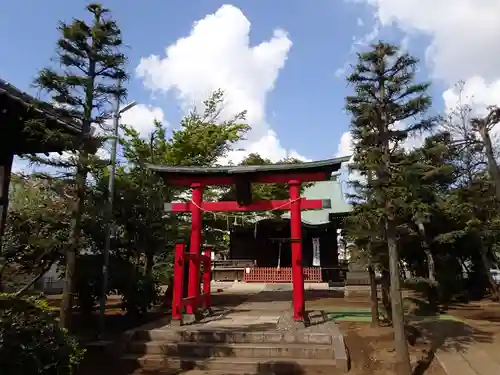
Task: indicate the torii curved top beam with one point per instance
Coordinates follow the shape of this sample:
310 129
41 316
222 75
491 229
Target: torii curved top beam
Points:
272 173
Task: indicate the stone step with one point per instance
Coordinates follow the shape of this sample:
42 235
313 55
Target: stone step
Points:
210 350
233 337
232 365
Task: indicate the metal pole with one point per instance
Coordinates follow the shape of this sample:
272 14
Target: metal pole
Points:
109 217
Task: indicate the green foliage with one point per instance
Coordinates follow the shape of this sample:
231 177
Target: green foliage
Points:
139 294
386 100
203 139
263 191
139 291
37 229
31 341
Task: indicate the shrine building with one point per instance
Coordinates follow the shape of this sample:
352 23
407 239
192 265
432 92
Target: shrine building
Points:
261 252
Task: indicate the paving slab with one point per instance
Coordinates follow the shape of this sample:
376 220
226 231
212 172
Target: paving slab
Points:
481 362
463 349
240 320
454 364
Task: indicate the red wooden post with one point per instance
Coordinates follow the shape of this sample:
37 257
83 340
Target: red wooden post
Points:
207 276
296 234
195 243
177 305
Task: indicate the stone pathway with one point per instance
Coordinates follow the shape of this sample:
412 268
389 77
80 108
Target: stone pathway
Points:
462 349
242 320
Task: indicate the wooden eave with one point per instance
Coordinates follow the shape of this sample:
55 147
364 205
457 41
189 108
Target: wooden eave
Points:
17 108
273 173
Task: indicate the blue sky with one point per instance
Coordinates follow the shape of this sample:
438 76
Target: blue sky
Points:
291 88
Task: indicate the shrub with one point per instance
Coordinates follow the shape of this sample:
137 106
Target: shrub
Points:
31 341
139 295
430 290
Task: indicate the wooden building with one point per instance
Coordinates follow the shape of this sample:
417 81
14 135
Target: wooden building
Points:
29 126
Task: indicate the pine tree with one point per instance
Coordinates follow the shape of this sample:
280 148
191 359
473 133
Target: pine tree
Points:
89 78
386 100
427 176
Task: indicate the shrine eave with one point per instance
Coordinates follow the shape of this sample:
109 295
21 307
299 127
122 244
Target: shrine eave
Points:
272 173
18 107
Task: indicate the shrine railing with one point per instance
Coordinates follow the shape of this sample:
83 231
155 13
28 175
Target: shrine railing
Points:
192 302
280 275
233 264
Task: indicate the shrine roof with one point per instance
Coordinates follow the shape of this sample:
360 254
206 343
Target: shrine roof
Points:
323 166
18 107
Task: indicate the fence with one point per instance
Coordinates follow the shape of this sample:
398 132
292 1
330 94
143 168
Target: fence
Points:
280 275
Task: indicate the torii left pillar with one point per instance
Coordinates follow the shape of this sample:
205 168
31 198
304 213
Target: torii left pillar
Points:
195 248
296 244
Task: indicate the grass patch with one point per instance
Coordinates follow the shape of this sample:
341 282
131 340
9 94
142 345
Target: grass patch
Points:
350 316
364 315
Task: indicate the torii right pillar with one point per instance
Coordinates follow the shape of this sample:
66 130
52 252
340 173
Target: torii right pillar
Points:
296 244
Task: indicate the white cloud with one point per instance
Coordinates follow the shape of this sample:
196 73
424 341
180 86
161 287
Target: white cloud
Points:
463 38
217 55
268 147
476 92
463 33
345 144
462 44
141 118
359 44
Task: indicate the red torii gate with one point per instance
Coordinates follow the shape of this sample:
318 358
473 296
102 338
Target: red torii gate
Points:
243 176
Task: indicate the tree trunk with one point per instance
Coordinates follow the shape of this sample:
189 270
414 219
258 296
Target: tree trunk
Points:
386 294
487 266
167 297
74 243
400 342
490 155
3 267
431 267
149 264
373 296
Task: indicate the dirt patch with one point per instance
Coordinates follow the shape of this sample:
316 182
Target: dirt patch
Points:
332 303
372 351
329 300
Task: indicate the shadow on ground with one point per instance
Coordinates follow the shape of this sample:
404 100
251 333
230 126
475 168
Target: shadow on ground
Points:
103 361
98 364
447 335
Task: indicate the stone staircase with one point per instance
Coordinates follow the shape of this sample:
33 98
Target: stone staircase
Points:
227 351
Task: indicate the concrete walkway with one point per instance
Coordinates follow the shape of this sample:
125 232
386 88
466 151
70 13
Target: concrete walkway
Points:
462 349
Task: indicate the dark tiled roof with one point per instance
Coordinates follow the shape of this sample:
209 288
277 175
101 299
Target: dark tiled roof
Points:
44 109
329 164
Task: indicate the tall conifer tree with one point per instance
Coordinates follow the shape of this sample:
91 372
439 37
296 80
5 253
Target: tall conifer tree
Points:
88 80
386 109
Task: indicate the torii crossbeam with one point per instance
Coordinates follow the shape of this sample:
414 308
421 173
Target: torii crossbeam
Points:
243 176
